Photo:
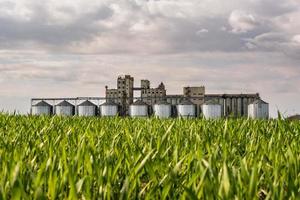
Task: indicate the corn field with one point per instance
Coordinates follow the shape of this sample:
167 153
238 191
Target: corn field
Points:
124 158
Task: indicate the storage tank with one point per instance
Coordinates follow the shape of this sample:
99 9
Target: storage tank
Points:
258 110
245 106
42 108
87 108
109 109
138 109
162 109
65 108
221 102
239 107
212 110
227 106
186 109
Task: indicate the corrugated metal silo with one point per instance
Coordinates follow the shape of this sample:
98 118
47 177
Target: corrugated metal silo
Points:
234 106
65 108
109 109
258 110
221 102
162 109
87 108
239 107
227 106
138 109
212 110
186 109
42 108
174 101
245 106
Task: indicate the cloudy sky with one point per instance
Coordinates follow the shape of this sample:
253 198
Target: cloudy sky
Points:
59 48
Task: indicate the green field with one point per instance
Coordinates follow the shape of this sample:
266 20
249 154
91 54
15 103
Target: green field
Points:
123 158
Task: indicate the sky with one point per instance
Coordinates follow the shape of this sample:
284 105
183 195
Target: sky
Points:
70 48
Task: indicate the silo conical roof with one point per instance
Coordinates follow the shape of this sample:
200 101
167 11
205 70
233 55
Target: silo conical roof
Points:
186 102
65 103
140 103
163 102
87 103
211 102
109 103
43 103
259 101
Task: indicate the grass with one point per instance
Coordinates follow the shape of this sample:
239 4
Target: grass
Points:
123 158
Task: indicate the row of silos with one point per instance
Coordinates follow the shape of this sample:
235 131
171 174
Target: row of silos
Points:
163 109
186 109
210 110
65 108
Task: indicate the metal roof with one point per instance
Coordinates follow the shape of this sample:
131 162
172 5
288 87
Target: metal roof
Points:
64 103
294 117
211 102
139 103
162 103
87 103
259 101
43 103
109 103
256 95
186 102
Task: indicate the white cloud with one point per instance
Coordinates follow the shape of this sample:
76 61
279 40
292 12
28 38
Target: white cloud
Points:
242 21
202 31
296 39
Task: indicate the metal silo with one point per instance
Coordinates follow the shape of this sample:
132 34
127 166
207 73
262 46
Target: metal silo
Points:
258 110
239 107
65 108
234 106
87 108
245 106
227 106
221 102
186 109
162 109
138 109
109 109
42 108
212 110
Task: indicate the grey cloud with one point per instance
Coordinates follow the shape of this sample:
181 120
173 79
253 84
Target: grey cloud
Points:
276 41
39 30
98 29
280 7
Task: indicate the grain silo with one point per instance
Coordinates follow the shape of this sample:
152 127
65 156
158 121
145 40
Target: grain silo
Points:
65 108
245 106
162 109
258 110
186 109
239 107
87 108
109 109
212 110
42 108
138 109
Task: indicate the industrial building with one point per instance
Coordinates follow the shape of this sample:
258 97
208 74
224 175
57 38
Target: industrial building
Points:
121 101
231 104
